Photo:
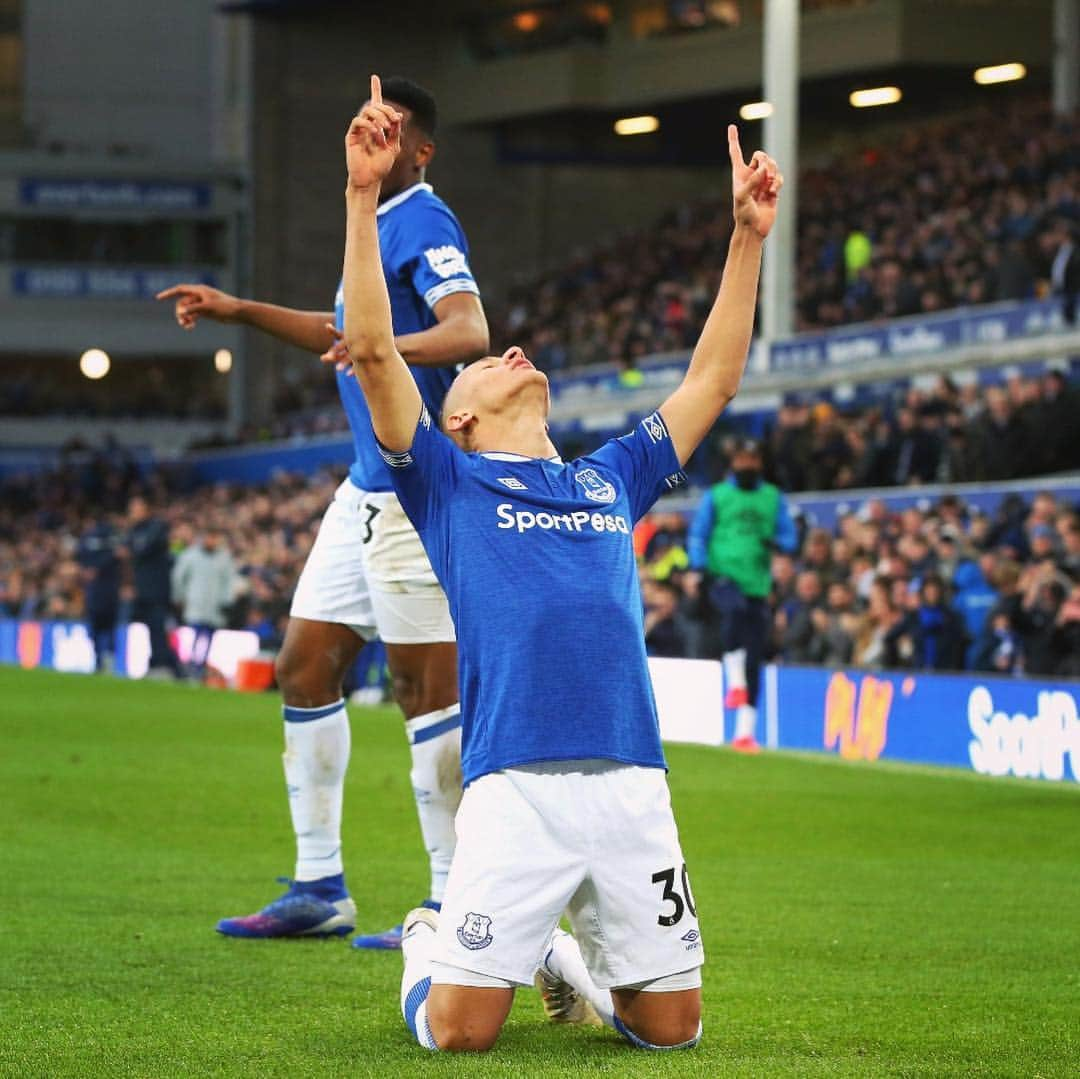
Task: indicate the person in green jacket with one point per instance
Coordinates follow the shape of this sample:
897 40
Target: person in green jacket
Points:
731 539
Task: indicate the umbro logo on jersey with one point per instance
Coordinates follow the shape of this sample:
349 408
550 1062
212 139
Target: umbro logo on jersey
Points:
513 483
654 427
596 488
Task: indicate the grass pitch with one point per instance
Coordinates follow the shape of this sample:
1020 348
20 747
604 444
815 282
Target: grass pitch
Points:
859 920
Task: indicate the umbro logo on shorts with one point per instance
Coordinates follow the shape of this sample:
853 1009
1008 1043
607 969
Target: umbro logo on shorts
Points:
475 932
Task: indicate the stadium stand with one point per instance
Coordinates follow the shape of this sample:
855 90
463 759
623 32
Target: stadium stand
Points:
268 529
964 211
955 213
856 592
940 588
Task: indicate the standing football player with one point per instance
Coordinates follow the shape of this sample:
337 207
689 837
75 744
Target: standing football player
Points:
566 805
367 572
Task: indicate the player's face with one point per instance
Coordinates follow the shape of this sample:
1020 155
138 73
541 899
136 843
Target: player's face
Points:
490 385
417 149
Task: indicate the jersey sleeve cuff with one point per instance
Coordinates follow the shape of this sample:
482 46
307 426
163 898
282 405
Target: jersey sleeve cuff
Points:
656 431
448 288
403 458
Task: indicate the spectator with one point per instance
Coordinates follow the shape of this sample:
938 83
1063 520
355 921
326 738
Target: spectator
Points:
798 624
1066 640
203 581
147 547
1057 424
1065 270
914 453
1069 531
973 598
935 631
97 555
1044 594
663 636
1002 445
874 636
998 649
835 626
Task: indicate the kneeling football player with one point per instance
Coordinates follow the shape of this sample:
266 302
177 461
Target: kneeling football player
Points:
566 805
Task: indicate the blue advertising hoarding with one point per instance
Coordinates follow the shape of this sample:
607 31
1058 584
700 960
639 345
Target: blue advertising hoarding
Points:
100 283
918 335
994 726
86 194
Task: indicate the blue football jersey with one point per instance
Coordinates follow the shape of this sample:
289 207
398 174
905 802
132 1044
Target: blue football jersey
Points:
425 257
537 560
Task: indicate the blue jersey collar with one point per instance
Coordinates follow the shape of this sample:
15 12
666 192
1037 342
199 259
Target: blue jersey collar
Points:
401 196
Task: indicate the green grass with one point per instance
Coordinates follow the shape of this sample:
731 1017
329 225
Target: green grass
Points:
859 919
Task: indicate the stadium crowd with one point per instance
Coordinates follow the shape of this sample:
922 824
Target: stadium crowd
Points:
941 587
949 213
947 433
956 212
53 529
951 432
936 588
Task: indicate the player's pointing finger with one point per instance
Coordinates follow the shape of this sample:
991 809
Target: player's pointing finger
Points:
734 149
376 90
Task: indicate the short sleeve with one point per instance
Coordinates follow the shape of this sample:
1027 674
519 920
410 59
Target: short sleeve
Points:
425 475
435 255
646 461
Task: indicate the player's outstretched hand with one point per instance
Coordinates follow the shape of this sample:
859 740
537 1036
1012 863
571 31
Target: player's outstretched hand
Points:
755 187
200 301
337 353
373 140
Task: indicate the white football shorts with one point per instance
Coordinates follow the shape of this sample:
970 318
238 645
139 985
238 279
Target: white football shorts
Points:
368 570
596 839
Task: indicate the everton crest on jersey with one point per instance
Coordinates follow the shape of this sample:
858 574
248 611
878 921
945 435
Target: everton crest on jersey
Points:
595 487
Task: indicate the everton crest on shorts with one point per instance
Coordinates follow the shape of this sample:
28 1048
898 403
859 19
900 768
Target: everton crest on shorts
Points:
475 932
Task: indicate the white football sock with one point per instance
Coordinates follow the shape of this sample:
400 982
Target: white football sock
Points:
417 949
316 756
435 744
565 961
735 669
745 721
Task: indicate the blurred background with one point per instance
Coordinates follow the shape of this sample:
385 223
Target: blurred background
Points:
914 385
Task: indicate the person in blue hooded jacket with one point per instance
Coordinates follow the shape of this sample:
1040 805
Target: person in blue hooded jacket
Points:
973 597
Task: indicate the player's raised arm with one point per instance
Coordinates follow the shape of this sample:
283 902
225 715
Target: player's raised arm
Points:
719 358
371 145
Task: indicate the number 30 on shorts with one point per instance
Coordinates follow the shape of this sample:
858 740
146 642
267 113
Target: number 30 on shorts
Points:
679 903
